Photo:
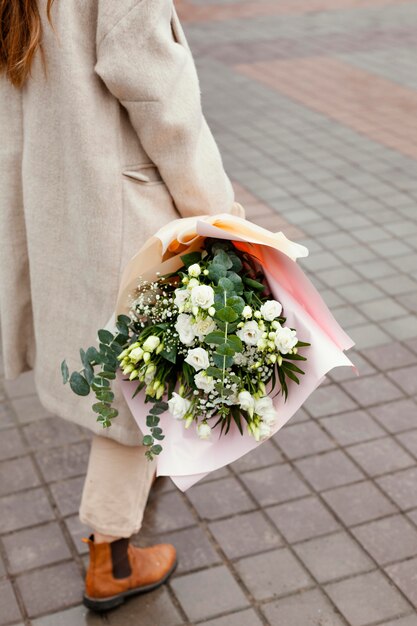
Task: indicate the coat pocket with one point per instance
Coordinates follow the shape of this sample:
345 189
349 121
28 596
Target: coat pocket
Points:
145 174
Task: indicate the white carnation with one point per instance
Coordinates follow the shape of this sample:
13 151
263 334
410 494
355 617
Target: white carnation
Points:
181 297
178 406
185 329
204 382
194 270
203 327
270 310
202 296
204 430
198 358
250 333
263 405
285 339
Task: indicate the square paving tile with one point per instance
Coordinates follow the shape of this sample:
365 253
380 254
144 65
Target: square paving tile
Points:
401 487
303 439
242 618
67 495
273 574
367 598
405 577
51 431
334 556
11 444
64 462
275 484
77 616
381 456
309 608
328 470
29 409
329 401
144 610
166 512
221 593
262 456
409 441
245 534
59 586
9 608
352 427
17 474
410 620
389 539
302 519
78 531
372 390
390 356
35 547
219 498
396 416
358 503
24 509
406 378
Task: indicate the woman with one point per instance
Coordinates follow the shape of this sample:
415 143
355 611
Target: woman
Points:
102 142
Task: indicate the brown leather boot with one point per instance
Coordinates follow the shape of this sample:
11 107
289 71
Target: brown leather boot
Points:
118 570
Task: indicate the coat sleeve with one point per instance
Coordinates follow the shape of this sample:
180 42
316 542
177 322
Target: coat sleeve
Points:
145 62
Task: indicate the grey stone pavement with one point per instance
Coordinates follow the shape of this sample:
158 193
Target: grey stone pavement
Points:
314 105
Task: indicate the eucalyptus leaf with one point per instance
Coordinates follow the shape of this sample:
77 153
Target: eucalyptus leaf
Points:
226 314
191 258
215 338
156 449
79 385
105 336
225 350
147 440
64 372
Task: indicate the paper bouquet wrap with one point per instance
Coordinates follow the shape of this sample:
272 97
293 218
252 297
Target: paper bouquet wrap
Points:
185 457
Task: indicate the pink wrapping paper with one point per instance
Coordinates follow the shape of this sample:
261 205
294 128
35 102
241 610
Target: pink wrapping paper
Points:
185 457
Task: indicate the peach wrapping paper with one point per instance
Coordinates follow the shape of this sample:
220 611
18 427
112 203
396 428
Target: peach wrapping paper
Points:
185 457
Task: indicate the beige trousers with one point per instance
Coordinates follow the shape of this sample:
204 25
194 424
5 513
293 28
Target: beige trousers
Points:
116 487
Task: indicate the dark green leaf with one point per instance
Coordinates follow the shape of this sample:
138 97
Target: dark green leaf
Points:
147 440
191 258
152 420
227 285
79 385
218 361
99 406
225 350
109 375
124 319
157 409
292 376
105 396
215 372
105 336
254 284
215 338
234 342
222 258
64 372
88 372
226 314
292 367
156 449
92 355
170 356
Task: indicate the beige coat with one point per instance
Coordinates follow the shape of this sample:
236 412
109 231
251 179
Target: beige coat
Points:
95 156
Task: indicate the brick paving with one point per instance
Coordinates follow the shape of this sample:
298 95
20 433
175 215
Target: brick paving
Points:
314 104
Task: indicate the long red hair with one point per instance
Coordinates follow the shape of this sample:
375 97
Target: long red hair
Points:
20 37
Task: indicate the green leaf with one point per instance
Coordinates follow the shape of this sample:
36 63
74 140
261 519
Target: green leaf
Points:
158 410
156 449
225 350
124 319
147 440
303 344
216 338
159 437
99 406
215 372
222 258
170 356
92 355
234 342
152 420
109 375
79 385
254 284
138 389
218 361
216 272
191 258
237 303
105 396
292 367
227 285
236 263
226 314
105 336
292 376
64 372
88 372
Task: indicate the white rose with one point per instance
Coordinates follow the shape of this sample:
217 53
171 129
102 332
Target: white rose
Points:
198 358
264 431
185 329
286 339
194 270
151 343
203 327
270 310
204 382
246 402
250 333
181 297
247 312
202 296
178 406
204 430
263 405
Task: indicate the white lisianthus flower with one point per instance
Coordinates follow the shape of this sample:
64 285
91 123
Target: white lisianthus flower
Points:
151 343
203 327
202 296
204 430
150 373
270 417
136 354
194 270
204 382
185 329
178 406
246 402
250 333
247 312
263 405
181 297
285 339
264 431
192 284
198 358
270 310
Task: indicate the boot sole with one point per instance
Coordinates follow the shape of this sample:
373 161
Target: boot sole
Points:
106 604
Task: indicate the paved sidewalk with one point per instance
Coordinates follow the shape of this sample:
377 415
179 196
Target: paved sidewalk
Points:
314 104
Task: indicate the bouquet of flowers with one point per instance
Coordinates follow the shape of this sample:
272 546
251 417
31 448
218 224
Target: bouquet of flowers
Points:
206 349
